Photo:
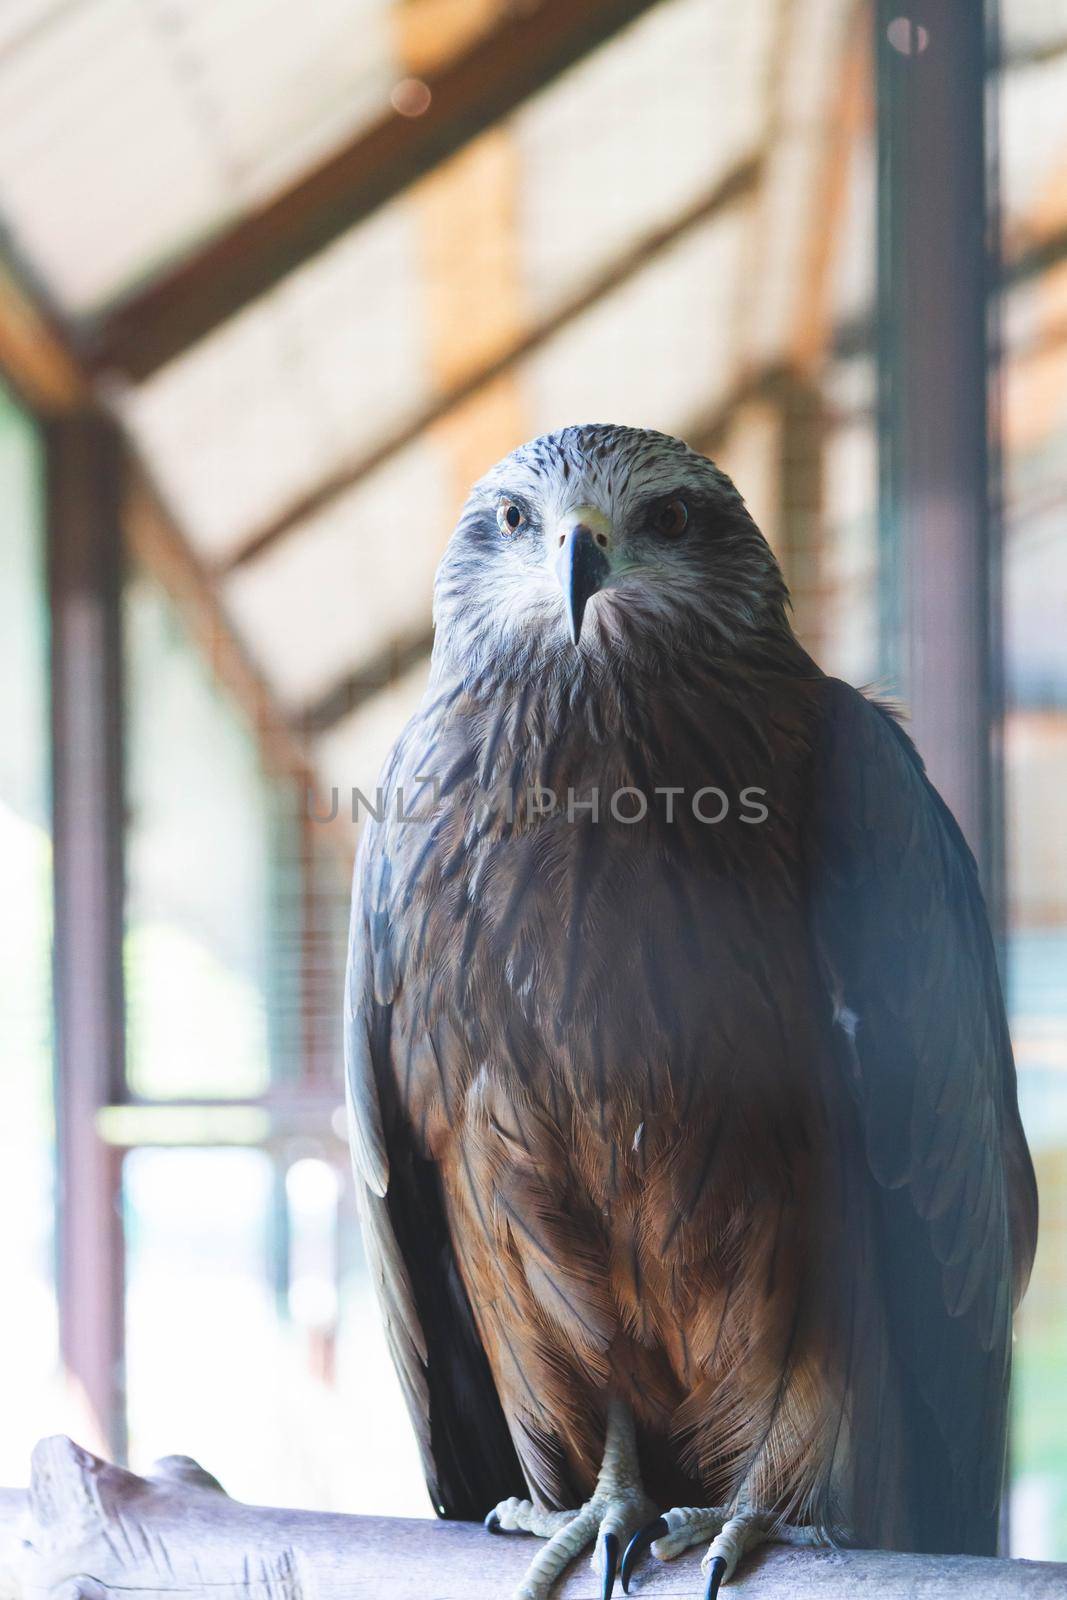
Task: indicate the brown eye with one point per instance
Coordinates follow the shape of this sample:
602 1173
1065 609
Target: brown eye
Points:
671 519
509 518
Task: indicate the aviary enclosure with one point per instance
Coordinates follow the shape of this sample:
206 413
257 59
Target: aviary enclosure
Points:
278 285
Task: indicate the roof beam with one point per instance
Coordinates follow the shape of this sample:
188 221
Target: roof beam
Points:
156 541
33 355
361 685
739 181
849 116
467 96
1033 53
1029 257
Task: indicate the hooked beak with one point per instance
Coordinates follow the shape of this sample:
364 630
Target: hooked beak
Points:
581 568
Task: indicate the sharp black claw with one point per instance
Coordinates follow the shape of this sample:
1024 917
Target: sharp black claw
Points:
716 1573
642 1539
611 1564
492 1522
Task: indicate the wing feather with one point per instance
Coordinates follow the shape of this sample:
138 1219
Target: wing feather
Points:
467 1454
905 952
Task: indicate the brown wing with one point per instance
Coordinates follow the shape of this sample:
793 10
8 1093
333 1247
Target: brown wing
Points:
466 1449
904 945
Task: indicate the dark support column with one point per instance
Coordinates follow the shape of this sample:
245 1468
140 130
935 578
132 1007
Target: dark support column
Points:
84 478
936 256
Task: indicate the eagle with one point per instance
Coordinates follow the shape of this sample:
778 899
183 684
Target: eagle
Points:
681 1097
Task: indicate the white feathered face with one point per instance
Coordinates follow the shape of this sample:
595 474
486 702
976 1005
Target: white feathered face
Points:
601 537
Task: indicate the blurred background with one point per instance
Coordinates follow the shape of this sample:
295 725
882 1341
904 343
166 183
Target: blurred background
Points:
276 283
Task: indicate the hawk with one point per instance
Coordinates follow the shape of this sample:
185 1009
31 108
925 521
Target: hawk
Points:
681 1095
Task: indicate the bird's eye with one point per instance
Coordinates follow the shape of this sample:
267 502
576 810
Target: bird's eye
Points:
509 517
670 519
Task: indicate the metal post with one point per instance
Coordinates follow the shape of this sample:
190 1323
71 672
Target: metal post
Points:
85 560
936 273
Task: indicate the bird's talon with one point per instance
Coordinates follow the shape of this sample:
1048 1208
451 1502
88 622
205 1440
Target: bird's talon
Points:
610 1557
492 1522
641 1541
716 1576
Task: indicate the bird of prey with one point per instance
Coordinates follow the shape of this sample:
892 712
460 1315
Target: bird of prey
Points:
681 1095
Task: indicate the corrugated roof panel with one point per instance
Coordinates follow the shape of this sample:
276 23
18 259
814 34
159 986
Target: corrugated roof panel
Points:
655 119
1033 141
654 353
265 407
102 162
333 595
1027 23
812 61
178 111
133 129
355 578
348 331
282 83
21 19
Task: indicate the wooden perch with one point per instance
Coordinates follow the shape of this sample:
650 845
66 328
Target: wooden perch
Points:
88 1530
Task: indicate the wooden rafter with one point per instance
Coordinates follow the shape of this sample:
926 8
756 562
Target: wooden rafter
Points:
33 355
155 539
850 117
467 96
469 259
364 682
1028 257
740 181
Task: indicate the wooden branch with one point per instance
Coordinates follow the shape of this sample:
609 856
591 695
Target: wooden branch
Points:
467 96
91 1531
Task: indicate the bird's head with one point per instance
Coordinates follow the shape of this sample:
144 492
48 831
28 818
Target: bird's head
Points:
602 539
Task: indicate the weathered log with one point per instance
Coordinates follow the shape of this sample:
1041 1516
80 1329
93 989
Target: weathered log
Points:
88 1530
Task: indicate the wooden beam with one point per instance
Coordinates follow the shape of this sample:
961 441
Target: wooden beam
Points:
849 117
738 182
467 96
1032 53
155 540
84 471
33 356
175 1532
365 681
468 251
1029 257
